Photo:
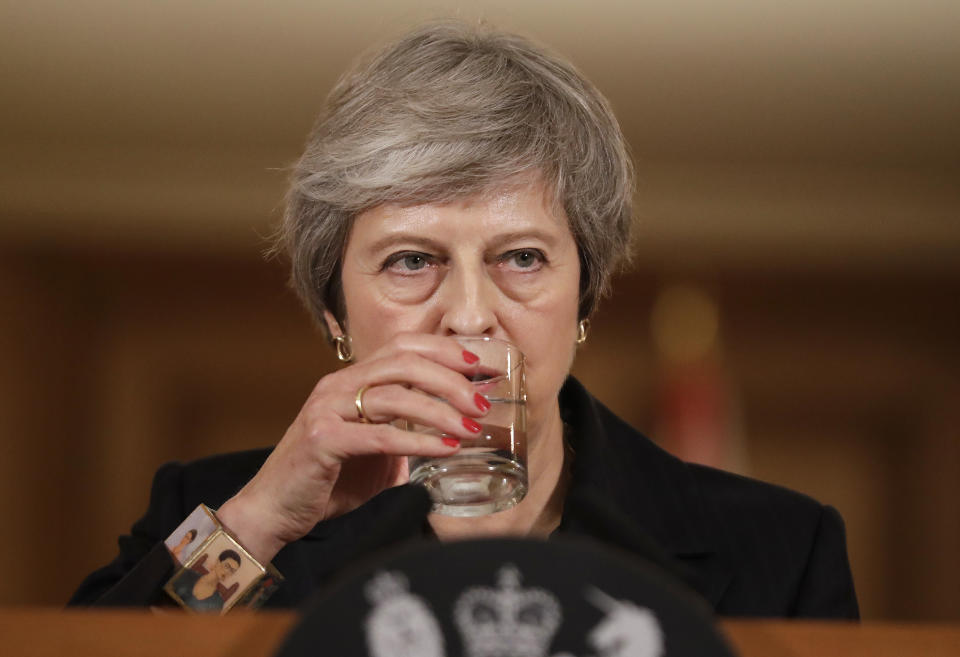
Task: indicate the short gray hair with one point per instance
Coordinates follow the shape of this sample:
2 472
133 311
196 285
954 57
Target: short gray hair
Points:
446 112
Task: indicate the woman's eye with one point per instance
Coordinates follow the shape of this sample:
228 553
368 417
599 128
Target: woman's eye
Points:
524 258
405 262
413 262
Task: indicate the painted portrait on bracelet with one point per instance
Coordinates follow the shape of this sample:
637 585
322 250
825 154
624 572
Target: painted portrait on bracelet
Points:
184 541
218 575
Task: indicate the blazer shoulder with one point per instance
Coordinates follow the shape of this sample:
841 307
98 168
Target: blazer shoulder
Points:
786 547
759 548
245 460
213 480
728 492
722 493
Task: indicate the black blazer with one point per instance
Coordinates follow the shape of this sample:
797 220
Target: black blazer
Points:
749 548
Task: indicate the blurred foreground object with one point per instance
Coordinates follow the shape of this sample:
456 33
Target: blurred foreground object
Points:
508 598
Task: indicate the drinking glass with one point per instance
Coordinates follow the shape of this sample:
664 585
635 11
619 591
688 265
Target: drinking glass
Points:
489 473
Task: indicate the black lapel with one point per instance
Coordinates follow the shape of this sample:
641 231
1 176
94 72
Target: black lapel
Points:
628 491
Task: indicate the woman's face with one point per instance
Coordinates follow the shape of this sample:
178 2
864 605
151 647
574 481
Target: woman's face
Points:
226 568
502 264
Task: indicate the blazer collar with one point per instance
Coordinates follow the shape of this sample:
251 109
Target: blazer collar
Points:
645 487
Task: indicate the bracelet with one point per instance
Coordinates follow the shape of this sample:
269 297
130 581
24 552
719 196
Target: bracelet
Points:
216 573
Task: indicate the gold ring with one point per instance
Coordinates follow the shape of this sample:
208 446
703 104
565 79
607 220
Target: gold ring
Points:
358 402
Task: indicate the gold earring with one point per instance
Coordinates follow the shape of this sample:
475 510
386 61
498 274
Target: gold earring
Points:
582 327
344 348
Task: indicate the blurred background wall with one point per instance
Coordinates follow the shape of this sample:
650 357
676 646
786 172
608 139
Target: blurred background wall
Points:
793 311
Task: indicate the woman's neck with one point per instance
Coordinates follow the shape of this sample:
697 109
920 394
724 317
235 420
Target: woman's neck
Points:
540 511
205 586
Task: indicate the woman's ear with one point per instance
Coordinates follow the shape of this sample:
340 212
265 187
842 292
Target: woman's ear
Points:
338 338
333 326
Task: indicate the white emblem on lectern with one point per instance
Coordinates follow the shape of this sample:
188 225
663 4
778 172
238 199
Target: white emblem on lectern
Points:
503 621
507 621
400 624
627 631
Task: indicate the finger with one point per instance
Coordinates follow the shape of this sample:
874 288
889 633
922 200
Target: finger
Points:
339 391
387 403
356 439
413 370
441 349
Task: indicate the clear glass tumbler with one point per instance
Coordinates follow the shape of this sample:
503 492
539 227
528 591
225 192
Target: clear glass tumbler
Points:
489 473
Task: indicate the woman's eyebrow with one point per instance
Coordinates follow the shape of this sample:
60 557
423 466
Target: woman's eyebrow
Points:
435 246
406 239
520 235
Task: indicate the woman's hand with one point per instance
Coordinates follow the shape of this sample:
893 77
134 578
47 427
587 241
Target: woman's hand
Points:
330 461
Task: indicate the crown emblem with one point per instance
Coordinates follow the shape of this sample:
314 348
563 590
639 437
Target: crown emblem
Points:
507 621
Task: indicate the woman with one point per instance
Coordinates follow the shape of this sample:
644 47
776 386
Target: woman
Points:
465 182
177 550
200 589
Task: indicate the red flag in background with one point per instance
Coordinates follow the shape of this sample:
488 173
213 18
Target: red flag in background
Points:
698 418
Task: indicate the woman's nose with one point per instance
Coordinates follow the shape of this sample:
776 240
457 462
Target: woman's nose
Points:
469 303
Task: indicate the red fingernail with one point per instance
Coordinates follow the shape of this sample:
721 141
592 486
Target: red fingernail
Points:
481 402
470 357
471 425
450 442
